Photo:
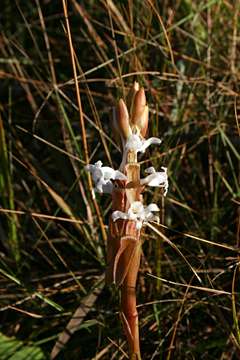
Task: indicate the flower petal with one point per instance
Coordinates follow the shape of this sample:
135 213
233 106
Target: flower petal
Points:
98 163
108 172
102 175
158 179
99 186
138 213
119 215
150 141
91 168
152 207
118 175
150 170
137 144
134 143
154 179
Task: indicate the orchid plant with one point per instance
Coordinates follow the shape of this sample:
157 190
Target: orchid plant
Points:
129 215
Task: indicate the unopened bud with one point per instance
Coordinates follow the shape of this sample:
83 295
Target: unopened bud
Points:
131 96
139 106
123 120
142 122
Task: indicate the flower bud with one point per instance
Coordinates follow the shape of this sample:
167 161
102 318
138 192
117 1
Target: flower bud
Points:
123 120
131 96
139 106
143 122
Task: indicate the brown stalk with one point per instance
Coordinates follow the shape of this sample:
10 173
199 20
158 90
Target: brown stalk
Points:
124 240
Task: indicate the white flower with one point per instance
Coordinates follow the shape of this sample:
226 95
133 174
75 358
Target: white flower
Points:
158 179
137 212
137 144
102 176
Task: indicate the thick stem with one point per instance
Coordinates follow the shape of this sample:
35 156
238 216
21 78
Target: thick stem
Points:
129 314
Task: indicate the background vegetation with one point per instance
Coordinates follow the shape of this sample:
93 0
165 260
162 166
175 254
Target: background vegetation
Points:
52 260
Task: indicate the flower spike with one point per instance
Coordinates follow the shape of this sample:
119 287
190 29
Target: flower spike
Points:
130 123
